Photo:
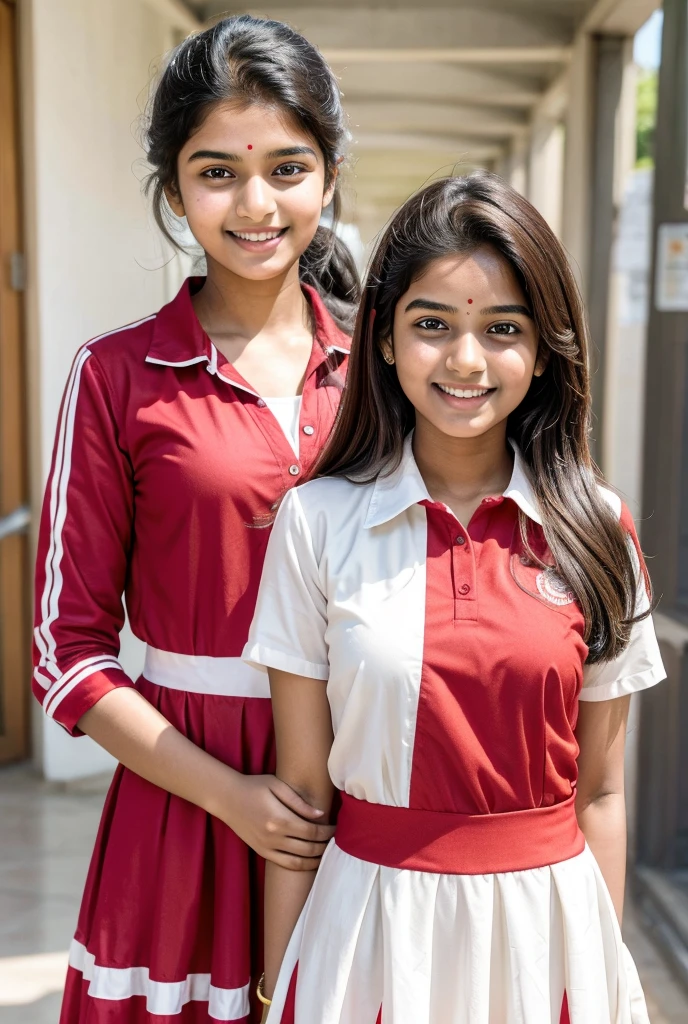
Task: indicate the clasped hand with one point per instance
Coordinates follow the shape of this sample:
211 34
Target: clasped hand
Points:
277 823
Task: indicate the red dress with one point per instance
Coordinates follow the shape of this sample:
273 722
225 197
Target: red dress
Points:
166 473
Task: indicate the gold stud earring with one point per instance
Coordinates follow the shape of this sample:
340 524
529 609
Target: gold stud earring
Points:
388 358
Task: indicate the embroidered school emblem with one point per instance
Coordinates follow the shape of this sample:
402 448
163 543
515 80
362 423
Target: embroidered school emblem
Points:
553 588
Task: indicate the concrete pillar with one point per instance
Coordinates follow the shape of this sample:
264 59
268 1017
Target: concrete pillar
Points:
546 172
624 384
663 772
609 56
578 126
514 165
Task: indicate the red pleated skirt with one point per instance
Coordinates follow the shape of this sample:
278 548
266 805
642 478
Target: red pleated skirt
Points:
170 928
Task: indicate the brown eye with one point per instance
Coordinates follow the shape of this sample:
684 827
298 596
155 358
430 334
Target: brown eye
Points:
290 170
217 173
431 323
504 329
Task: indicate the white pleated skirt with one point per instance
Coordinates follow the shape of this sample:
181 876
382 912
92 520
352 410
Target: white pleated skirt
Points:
458 949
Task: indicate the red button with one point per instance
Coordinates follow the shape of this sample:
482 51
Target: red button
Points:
464 588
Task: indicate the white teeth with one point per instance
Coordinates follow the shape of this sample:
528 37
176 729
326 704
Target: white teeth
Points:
256 236
463 392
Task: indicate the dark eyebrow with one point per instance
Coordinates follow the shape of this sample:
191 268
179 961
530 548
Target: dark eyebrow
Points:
291 151
276 154
436 307
497 310
213 154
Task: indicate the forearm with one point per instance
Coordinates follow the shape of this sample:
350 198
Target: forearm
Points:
603 823
286 893
134 732
300 707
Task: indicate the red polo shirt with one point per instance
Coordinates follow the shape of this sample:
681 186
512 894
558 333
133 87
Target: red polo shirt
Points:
166 472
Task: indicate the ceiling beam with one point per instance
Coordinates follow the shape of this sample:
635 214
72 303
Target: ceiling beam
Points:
426 142
619 17
334 27
510 101
459 119
510 87
452 55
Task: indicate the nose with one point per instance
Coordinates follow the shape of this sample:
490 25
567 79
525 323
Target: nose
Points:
465 356
255 200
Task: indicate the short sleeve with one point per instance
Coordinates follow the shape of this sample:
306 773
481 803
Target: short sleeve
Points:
289 623
639 666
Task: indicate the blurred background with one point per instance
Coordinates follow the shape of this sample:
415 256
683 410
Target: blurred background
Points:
582 105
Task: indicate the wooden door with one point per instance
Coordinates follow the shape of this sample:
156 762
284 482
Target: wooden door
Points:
14 514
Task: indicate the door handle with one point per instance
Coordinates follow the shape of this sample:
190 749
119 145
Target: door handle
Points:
15 522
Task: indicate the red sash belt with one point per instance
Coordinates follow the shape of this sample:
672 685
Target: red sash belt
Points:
458 844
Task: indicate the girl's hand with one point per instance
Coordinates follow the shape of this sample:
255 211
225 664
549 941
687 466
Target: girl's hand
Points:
275 822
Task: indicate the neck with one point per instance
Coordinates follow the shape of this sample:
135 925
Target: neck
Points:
232 305
462 468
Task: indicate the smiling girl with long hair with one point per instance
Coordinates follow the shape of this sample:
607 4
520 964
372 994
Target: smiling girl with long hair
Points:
455 614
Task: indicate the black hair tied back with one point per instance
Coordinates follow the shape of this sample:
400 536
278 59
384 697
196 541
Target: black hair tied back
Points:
253 60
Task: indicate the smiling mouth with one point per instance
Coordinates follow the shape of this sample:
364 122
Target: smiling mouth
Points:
258 236
464 392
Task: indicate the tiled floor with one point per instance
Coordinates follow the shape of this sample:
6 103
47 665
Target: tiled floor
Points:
46 835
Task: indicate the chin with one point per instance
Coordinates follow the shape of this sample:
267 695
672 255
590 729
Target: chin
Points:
256 271
463 430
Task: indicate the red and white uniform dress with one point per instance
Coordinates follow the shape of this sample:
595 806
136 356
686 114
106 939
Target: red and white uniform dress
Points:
458 888
166 473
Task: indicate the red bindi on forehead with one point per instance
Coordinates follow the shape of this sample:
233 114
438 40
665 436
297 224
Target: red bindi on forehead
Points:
251 147
470 301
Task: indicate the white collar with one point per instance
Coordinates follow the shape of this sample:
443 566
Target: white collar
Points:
397 491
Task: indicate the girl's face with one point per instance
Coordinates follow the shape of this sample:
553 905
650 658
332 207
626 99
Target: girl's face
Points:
252 187
464 344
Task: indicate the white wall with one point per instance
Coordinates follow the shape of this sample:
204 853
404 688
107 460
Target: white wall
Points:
94 260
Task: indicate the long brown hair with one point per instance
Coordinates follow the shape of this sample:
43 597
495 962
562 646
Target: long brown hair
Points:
551 425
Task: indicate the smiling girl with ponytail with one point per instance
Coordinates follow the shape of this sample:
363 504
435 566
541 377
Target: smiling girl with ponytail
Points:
178 436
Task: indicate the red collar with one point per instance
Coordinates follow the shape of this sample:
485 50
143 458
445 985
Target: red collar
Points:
179 339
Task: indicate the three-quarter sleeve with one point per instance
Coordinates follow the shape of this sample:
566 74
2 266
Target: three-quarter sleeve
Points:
83 545
639 665
290 620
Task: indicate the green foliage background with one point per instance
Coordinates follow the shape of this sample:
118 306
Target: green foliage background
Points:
645 118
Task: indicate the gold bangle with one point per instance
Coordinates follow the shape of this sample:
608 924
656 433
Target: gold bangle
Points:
259 992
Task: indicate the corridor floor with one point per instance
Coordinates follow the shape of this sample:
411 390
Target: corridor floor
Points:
46 835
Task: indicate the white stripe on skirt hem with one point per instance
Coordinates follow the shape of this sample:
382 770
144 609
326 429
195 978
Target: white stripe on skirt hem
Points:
162 997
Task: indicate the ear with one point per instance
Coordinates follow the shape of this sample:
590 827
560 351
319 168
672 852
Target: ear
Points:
328 194
541 361
174 198
387 349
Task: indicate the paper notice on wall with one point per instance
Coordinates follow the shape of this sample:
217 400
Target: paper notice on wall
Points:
671 284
